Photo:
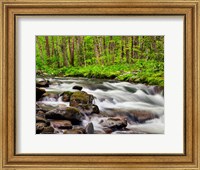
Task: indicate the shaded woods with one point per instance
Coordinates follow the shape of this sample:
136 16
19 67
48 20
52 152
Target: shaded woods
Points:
138 59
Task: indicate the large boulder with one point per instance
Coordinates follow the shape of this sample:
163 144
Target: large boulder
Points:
80 97
39 93
65 113
114 123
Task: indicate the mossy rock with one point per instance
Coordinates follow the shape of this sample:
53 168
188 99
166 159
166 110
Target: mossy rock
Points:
68 113
66 96
80 97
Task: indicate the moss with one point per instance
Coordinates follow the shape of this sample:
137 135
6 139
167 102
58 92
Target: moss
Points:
80 97
69 93
72 110
66 96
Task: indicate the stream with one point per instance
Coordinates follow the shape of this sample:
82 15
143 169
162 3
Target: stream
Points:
140 105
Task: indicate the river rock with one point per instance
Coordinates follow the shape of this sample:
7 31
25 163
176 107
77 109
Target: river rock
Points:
44 107
80 97
89 128
88 109
65 113
73 131
40 113
95 109
141 116
131 89
40 119
40 127
48 130
108 130
114 123
39 93
61 124
77 88
66 96
49 96
156 90
81 128
44 83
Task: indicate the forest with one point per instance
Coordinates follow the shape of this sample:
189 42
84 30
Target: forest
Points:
137 59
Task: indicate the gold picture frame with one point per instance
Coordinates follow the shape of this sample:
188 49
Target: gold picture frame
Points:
12 8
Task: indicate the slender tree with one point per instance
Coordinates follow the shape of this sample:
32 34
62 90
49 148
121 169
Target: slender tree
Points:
52 49
40 49
64 51
96 49
47 46
56 52
71 49
122 48
111 49
132 48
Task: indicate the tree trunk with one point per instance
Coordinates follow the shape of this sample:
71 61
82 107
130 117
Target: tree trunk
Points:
141 41
132 49
111 49
122 48
84 52
96 49
71 49
52 51
40 49
127 49
64 51
47 46
135 45
56 52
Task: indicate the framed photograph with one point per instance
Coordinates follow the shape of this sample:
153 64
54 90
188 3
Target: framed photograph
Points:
99 85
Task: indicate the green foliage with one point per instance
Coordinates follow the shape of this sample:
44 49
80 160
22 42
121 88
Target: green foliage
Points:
138 59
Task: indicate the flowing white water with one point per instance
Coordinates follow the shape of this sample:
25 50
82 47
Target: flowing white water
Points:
116 98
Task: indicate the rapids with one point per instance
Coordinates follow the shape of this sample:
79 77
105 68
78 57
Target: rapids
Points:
115 98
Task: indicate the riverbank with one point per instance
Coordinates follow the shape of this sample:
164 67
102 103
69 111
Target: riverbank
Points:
141 71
